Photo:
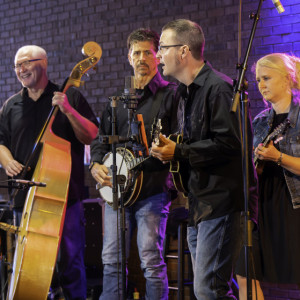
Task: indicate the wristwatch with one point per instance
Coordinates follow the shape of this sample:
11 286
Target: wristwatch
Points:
91 165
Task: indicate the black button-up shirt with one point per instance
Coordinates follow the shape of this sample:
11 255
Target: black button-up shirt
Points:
155 173
21 120
212 147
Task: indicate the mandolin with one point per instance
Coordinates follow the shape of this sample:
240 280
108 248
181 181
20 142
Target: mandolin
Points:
276 133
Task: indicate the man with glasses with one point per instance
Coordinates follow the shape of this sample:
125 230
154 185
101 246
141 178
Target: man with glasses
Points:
211 149
150 211
21 119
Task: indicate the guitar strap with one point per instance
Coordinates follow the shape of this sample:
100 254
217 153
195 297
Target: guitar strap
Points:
180 116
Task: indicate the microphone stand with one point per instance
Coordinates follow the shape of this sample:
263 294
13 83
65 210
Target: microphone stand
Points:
240 94
130 102
118 179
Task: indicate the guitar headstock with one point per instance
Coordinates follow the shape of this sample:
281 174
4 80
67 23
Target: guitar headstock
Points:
94 53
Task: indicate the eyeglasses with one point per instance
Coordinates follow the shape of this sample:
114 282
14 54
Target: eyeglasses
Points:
160 48
25 63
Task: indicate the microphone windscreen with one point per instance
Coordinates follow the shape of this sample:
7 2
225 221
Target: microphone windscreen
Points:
129 85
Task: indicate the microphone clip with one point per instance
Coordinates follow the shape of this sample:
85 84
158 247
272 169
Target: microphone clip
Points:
22 184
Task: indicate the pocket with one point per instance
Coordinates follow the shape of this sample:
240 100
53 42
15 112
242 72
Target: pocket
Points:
294 143
258 137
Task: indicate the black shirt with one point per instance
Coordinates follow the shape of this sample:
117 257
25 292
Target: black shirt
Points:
21 120
155 173
212 147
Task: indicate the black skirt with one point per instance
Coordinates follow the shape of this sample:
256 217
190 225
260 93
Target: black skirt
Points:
276 244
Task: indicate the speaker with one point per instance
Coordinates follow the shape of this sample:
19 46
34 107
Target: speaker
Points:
93 212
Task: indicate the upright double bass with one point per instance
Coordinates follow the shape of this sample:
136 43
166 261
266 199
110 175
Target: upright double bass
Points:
40 230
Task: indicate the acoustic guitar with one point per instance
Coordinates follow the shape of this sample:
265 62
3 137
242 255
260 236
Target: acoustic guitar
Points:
180 173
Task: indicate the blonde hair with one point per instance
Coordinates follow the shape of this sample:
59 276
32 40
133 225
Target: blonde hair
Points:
285 64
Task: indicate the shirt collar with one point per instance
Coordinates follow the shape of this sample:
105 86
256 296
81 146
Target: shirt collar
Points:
199 79
203 74
294 110
156 82
50 88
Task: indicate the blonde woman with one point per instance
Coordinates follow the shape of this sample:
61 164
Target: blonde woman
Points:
277 257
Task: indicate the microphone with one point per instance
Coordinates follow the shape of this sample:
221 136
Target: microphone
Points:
278 6
28 182
129 86
130 97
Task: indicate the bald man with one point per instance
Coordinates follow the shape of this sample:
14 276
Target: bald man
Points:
21 120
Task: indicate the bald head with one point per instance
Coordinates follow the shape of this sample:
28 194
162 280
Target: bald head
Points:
32 51
31 69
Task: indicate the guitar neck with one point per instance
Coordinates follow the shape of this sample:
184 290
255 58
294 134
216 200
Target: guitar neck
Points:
278 130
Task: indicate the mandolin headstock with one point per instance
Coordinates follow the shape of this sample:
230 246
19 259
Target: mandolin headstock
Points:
155 131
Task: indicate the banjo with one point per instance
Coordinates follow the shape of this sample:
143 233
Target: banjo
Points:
133 178
127 165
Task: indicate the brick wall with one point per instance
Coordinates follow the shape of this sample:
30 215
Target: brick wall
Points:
63 27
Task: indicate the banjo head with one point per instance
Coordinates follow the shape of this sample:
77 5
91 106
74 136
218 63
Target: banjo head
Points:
131 186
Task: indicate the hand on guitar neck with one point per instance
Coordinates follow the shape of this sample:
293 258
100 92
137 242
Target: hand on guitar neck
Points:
164 151
266 151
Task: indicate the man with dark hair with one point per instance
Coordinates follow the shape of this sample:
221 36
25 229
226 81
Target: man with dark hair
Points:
211 150
142 35
150 211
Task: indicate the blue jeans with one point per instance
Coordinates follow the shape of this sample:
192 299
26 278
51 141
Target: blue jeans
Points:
150 216
71 268
214 246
